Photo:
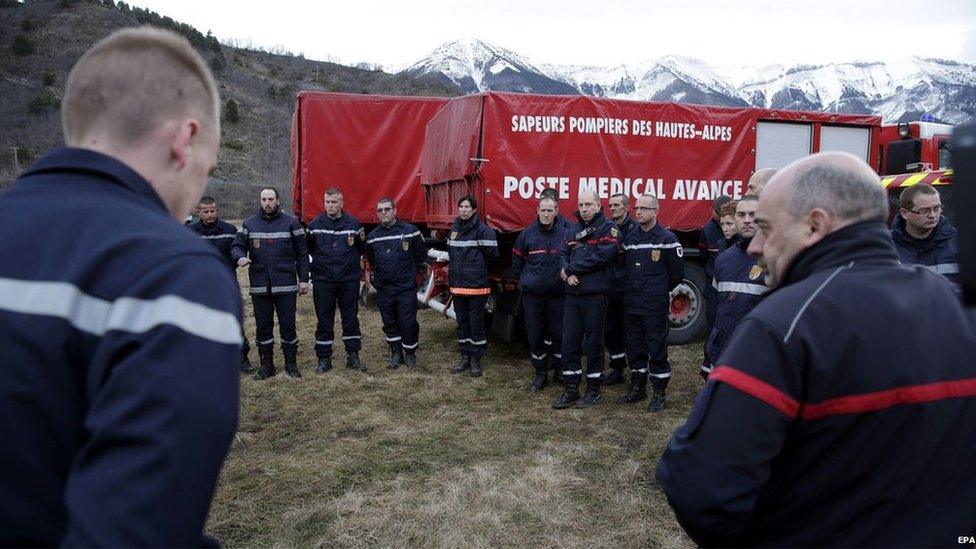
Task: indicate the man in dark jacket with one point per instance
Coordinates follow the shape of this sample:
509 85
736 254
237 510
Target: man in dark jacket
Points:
220 234
535 263
586 259
473 251
922 235
273 244
396 252
615 331
120 330
336 241
739 281
827 422
712 242
654 269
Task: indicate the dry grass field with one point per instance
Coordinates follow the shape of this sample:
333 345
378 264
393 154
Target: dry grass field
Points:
425 458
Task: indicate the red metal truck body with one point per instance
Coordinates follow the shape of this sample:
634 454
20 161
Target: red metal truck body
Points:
369 146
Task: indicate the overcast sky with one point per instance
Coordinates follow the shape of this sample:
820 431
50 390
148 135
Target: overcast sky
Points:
596 32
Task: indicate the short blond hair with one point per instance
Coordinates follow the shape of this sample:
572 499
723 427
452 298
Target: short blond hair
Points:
132 81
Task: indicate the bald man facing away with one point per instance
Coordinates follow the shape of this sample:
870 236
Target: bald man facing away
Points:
121 329
835 416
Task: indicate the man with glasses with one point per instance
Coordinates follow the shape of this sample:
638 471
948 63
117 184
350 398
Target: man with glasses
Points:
396 251
654 269
922 235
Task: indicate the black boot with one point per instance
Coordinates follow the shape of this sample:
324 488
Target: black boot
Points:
291 365
569 397
615 377
353 362
637 391
246 367
476 369
325 364
592 395
267 368
410 358
657 401
541 379
557 371
464 363
396 357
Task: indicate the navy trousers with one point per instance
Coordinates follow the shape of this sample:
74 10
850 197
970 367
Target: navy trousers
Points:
615 334
265 307
398 309
470 313
544 317
647 347
583 320
328 295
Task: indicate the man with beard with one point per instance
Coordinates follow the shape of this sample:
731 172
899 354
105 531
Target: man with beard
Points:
586 258
273 244
654 269
922 235
615 333
738 280
840 412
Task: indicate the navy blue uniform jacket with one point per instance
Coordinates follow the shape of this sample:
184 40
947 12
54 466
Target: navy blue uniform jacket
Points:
397 254
276 246
654 268
618 276
740 283
841 412
120 348
220 234
711 242
938 252
535 259
336 246
589 252
473 251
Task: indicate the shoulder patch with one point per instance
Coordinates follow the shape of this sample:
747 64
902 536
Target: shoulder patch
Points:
614 232
680 251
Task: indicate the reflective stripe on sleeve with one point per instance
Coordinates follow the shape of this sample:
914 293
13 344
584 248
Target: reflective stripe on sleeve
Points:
126 314
943 268
393 237
218 236
471 243
652 246
283 234
742 288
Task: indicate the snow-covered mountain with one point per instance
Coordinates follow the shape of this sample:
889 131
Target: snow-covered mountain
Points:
897 91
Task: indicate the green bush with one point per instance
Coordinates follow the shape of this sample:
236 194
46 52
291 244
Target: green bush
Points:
23 46
235 144
43 101
231 113
48 78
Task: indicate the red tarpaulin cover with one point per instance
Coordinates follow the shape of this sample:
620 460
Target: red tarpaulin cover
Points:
369 146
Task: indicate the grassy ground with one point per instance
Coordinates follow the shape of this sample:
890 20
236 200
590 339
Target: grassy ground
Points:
425 458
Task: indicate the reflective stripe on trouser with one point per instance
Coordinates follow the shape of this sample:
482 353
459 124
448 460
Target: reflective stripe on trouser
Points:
398 309
614 332
543 314
583 320
326 296
470 313
265 307
647 348
711 311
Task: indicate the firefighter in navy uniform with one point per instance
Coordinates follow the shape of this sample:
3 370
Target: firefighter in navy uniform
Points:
121 330
220 234
336 241
473 251
586 259
535 264
654 269
554 352
836 416
712 242
615 334
273 244
922 235
739 281
396 251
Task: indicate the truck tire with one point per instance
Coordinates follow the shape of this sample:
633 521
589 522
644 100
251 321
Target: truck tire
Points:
687 315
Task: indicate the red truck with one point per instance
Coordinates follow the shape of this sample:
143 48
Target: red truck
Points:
504 148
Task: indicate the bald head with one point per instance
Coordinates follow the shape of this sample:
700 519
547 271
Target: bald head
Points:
759 180
130 83
838 183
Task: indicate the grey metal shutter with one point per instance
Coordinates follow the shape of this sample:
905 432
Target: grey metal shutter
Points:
779 143
850 140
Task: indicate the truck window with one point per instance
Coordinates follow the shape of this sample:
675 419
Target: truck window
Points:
945 155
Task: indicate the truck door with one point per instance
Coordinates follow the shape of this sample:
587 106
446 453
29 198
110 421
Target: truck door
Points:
779 143
846 139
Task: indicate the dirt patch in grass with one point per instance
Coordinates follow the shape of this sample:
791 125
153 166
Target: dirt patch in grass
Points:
426 458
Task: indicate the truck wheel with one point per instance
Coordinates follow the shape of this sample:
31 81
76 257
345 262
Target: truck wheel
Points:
687 315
